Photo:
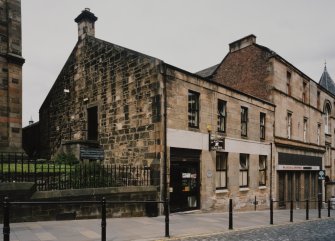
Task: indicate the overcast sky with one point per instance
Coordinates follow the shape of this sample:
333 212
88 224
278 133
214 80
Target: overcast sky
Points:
189 34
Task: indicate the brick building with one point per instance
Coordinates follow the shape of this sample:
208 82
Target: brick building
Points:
214 141
11 62
304 115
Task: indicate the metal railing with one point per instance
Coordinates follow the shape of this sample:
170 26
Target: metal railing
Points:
103 203
57 176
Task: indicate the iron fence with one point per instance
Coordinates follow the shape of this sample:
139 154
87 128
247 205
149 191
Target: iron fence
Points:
49 175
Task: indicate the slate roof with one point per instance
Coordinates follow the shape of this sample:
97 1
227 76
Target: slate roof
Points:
327 82
205 73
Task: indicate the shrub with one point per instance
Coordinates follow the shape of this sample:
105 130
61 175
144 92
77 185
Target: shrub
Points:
65 158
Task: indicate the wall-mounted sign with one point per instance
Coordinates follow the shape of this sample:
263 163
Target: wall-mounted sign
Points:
209 173
91 153
298 168
322 175
217 143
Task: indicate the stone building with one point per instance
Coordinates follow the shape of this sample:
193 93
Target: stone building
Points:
304 116
219 143
11 62
214 142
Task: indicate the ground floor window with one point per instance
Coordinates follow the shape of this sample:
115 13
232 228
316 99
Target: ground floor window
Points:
221 170
262 170
244 170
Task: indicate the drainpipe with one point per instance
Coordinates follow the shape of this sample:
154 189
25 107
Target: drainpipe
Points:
165 164
165 181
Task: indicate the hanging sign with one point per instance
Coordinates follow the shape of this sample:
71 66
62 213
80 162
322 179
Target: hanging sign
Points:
217 143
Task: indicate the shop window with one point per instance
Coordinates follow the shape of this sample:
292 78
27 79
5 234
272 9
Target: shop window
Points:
221 170
244 121
244 170
262 170
262 119
222 113
193 109
307 185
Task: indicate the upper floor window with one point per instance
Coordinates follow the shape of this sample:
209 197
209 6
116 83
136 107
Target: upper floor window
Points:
92 123
318 100
327 111
221 170
289 125
193 109
328 155
304 92
262 118
244 170
244 121
288 82
222 115
318 134
305 129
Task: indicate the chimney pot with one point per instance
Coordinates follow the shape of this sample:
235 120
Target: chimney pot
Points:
242 43
86 20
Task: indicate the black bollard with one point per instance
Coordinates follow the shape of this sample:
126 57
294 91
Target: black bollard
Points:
167 219
328 208
319 204
6 227
103 219
230 214
307 209
271 211
291 211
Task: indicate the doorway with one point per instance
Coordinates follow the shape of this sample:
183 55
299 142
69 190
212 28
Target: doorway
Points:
297 186
184 181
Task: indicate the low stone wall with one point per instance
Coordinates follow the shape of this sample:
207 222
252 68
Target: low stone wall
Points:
37 212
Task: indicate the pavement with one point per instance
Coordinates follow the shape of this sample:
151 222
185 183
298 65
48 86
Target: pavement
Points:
183 226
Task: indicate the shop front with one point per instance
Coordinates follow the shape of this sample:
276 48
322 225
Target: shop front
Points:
298 178
184 179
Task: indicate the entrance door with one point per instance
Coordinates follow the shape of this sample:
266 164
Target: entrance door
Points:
184 181
282 190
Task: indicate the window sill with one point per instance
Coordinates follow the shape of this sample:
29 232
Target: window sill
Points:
262 187
244 189
221 191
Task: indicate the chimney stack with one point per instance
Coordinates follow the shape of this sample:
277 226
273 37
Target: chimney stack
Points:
86 22
242 43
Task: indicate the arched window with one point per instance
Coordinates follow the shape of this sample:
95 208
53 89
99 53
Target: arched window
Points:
327 111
